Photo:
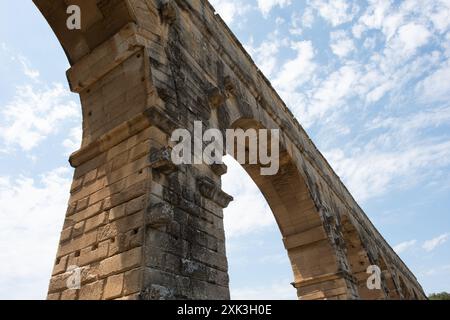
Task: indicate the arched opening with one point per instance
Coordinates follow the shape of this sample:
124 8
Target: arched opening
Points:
312 256
259 267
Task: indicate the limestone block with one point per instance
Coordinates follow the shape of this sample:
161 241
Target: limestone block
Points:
114 287
159 215
132 282
92 291
161 160
120 262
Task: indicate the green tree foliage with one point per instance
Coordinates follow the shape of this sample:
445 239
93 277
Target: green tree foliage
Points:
440 296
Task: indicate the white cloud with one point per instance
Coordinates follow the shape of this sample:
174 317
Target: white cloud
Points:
265 55
281 290
265 6
332 93
440 15
27 69
390 18
342 44
335 12
308 18
404 246
374 170
405 126
432 244
34 114
24 63
297 71
249 212
229 10
377 13
30 221
301 21
73 142
436 87
410 37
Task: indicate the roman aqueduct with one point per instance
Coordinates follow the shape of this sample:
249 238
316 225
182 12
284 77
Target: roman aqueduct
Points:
140 227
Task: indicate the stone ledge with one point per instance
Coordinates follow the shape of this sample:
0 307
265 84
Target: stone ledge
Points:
150 117
104 58
342 275
209 190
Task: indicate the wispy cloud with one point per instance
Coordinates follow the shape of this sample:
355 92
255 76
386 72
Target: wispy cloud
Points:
436 86
73 141
266 53
370 172
404 246
431 245
230 10
299 70
335 12
34 114
32 213
20 59
342 44
265 6
27 69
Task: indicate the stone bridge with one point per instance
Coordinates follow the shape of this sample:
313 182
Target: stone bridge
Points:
139 227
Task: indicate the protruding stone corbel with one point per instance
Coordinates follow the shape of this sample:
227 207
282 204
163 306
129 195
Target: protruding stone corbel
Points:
159 215
160 120
168 11
216 97
209 190
206 187
223 199
230 86
161 160
219 168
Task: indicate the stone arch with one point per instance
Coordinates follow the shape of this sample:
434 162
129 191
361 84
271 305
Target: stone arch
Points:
304 236
389 278
100 21
405 290
360 260
312 235
141 227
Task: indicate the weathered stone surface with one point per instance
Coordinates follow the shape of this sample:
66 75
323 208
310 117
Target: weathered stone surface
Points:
157 292
121 262
141 227
69 295
209 190
92 291
113 287
161 160
159 215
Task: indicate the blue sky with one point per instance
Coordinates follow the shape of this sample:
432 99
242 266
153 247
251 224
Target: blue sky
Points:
369 81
